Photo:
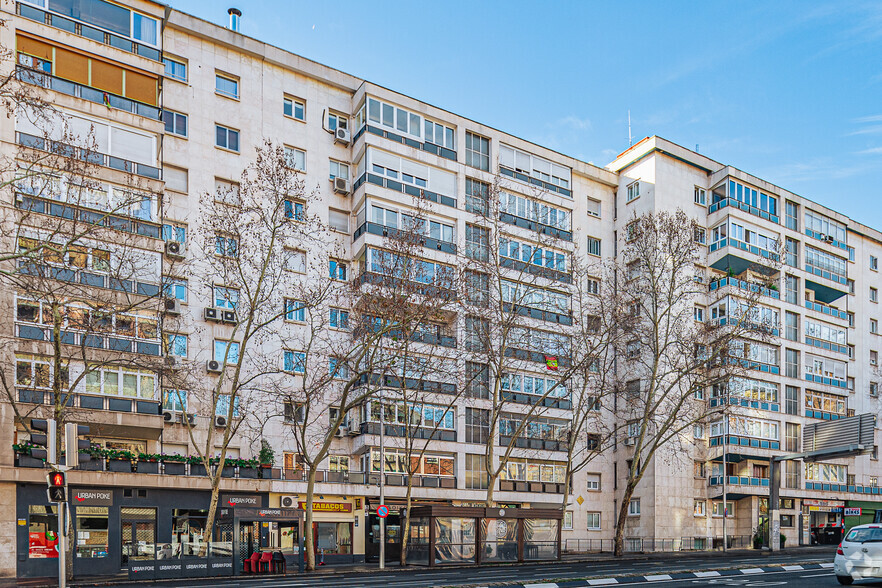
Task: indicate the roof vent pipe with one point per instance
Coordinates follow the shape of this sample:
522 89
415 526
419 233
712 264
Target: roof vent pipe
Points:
235 16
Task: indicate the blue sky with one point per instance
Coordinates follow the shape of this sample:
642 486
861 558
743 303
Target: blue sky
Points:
788 91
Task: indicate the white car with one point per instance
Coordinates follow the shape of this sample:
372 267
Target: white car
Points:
859 555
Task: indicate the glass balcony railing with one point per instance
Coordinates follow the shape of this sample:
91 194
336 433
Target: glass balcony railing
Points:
744 285
140 169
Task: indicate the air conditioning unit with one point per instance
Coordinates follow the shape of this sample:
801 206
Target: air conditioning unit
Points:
171 416
190 417
289 501
630 441
341 432
220 421
228 316
175 249
342 136
172 306
172 361
212 314
829 239
213 366
341 185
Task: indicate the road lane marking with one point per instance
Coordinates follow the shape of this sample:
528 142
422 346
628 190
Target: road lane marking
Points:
603 582
706 574
543 585
751 571
657 577
792 568
826 565
817 576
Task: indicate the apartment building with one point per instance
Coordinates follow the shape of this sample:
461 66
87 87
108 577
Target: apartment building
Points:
177 106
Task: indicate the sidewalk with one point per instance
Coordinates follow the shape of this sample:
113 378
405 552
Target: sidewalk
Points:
817 552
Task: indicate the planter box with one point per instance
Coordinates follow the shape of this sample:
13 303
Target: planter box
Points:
26 461
119 465
174 468
248 472
197 469
92 465
148 467
266 472
228 472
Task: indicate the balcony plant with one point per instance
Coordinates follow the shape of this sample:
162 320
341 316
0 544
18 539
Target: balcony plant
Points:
174 465
248 468
25 457
266 457
148 463
119 460
197 466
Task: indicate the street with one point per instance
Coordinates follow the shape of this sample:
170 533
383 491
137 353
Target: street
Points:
807 568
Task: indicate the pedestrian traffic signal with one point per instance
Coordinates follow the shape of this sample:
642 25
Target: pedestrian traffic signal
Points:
57 487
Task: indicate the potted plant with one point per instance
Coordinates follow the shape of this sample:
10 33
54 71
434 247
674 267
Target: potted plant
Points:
24 453
248 468
197 466
174 465
783 540
229 469
148 463
266 457
119 460
92 459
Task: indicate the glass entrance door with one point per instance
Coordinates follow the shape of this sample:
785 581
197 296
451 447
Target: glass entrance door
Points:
138 534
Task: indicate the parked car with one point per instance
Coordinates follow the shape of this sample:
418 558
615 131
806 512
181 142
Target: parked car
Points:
859 555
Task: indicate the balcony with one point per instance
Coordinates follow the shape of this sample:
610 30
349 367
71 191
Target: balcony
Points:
87 31
536 270
86 401
50 82
428 147
372 479
90 340
829 487
395 430
744 285
75 275
737 257
731 202
397 186
384 231
828 310
535 181
92 157
829 239
746 403
530 225
826 345
825 379
548 401
538 487
538 314
739 481
533 443
535 356
377 279
744 442
391 381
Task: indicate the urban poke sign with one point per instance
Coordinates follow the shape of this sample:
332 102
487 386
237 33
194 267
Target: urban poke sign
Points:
382 511
852 512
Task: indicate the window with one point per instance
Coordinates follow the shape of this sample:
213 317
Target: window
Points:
729 510
535 211
337 121
568 521
226 351
115 381
874 326
593 286
176 345
791 437
439 134
477 196
43 531
294 361
222 408
632 349
826 472
175 178
698 509
699 235
874 389
815 259
791 252
295 310
698 314
294 210
337 369
36 372
634 507
339 170
874 295
791 363
226 138
338 220
791 325
174 400
295 108
175 288
698 431
175 69
477 151
791 215
476 330
176 233
175 123
476 472
791 400
594 246
850 318
339 318
226 192
700 196
338 463
226 297
226 86
874 358
477 243
593 207
633 191
527 164
337 270
530 253
874 263
699 470
593 521
791 474
477 425
593 482
791 289
295 261
295 158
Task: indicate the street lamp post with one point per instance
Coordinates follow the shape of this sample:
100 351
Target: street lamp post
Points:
382 480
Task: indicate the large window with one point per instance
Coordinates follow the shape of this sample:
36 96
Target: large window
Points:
747 427
749 389
226 138
92 531
815 259
476 477
750 196
532 210
477 242
542 428
417 270
823 227
754 352
429 416
477 425
43 531
439 134
825 332
533 385
113 381
395 118
545 342
522 295
477 195
477 151
533 254
823 402
534 166
532 470
826 472
110 17
825 367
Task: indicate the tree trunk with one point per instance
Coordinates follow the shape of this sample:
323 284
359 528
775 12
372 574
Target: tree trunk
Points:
619 547
212 507
406 527
309 545
491 485
565 495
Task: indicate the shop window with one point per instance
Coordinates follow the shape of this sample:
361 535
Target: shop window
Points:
92 531
787 520
42 531
188 530
336 538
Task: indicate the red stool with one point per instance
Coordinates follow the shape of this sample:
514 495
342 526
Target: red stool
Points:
250 564
266 559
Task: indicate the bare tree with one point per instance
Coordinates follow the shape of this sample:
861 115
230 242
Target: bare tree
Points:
666 354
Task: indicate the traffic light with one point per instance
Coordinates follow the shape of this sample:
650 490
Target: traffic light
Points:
57 487
46 439
73 444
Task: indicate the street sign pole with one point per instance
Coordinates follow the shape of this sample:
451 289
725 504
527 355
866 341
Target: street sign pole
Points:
62 546
382 480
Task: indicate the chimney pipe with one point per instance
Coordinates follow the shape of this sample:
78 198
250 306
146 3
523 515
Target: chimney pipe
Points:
235 15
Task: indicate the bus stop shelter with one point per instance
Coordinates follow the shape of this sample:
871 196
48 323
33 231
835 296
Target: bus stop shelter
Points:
441 534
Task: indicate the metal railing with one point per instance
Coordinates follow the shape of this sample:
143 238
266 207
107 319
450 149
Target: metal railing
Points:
34 142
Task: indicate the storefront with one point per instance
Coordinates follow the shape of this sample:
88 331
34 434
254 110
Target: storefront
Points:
860 512
116 530
394 526
825 520
337 522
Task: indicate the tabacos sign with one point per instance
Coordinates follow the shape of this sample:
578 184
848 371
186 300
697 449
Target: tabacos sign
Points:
91 497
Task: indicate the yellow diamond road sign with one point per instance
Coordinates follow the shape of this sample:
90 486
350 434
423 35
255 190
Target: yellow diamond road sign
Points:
580 500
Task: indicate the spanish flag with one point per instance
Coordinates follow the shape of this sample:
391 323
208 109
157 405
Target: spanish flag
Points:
551 362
